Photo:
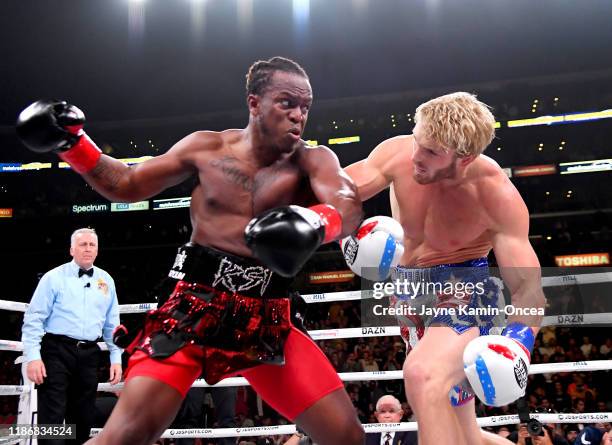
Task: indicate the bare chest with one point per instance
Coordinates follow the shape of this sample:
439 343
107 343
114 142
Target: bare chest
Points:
232 186
440 220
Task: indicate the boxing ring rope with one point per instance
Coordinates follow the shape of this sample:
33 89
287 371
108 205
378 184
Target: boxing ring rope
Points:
325 334
543 368
385 331
561 280
215 433
210 433
5 441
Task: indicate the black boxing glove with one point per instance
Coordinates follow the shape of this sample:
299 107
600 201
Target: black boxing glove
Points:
52 125
284 238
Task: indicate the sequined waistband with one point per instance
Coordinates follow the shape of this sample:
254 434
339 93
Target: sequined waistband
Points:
226 272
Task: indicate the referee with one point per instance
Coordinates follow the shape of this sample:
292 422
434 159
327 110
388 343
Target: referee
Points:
72 306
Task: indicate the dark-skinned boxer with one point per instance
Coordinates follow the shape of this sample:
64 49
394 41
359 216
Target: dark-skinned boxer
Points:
264 202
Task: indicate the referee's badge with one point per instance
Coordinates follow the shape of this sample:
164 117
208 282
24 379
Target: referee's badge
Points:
102 286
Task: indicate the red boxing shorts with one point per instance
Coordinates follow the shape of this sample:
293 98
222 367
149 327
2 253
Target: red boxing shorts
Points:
306 377
228 316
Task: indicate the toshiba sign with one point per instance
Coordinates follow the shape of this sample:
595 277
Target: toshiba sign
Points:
583 259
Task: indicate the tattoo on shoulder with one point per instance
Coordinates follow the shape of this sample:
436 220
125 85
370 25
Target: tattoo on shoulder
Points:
232 172
106 173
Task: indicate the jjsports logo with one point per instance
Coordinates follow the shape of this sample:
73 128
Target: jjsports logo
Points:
237 278
350 250
520 373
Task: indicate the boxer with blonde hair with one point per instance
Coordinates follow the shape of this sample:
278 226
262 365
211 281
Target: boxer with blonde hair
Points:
455 205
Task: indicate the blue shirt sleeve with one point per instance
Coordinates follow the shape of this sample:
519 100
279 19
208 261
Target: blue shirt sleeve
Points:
35 317
110 323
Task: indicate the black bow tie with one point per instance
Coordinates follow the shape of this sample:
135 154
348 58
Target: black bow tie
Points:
86 272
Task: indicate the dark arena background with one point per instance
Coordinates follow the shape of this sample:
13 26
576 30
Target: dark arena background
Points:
147 73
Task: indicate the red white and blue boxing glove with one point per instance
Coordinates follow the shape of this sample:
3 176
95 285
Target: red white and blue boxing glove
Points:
376 247
53 125
497 365
284 238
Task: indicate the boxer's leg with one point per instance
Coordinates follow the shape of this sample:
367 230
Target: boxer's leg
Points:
332 420
307 390
470 430
432 367
154 391
144 410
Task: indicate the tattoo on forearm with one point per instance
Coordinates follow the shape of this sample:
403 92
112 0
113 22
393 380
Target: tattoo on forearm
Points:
106 174
233 173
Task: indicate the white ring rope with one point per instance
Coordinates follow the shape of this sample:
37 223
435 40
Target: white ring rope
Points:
543 368
561 280
13 390
123 308
386 331
275 430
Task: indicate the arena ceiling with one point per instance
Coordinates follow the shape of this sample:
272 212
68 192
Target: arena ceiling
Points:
121 59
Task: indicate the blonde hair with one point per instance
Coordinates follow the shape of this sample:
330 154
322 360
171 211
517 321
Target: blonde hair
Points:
457 121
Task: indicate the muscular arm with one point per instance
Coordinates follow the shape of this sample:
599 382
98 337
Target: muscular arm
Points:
118 182
334 187
370 174
519 265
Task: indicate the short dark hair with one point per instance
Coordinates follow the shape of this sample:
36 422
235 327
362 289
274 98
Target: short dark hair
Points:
261 72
